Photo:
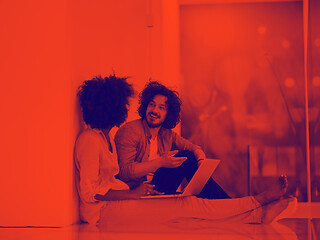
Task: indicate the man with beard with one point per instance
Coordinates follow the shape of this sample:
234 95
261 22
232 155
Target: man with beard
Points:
148 149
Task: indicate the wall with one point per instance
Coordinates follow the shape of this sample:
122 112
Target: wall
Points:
35 108
47 49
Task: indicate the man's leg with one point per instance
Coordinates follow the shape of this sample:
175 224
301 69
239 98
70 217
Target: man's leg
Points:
168 179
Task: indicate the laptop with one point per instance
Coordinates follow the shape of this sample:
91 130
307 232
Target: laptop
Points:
198 181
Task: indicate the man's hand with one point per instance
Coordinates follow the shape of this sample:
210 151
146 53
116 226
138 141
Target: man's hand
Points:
200 161
167 160
200 156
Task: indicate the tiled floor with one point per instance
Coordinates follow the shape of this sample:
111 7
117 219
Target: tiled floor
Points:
286 229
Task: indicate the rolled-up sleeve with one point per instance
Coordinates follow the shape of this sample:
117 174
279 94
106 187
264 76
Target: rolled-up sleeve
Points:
126 144
88 160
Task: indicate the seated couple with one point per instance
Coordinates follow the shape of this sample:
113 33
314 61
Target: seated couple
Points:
112 176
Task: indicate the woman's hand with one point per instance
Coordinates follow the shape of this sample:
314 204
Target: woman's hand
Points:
115 195
145 189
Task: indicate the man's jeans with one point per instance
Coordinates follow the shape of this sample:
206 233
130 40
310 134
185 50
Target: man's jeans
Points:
167 180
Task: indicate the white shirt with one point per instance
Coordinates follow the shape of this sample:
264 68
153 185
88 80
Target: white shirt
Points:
96 167
153 154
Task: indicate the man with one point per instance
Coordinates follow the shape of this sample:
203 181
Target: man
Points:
145 146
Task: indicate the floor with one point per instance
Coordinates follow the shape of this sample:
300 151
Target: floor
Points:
285 229
303 225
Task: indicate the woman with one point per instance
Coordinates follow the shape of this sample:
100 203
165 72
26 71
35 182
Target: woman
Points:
104 198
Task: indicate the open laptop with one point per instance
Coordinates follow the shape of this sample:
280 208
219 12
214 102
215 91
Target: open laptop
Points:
198 181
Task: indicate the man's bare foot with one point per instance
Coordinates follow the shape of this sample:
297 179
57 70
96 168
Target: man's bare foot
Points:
278 209
277 190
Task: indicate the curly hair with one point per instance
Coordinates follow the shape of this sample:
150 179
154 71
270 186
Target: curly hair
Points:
153 88
104 101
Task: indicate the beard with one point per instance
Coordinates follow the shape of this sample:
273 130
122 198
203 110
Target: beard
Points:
151 124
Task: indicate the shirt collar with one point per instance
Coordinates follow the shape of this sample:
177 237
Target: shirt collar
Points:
98 131
147 129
